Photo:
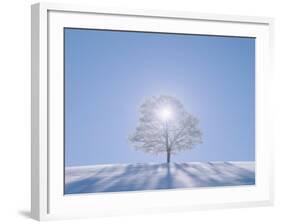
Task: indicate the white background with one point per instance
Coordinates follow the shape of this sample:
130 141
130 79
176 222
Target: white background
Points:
15 111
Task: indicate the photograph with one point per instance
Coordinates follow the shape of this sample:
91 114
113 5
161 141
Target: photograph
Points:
157 111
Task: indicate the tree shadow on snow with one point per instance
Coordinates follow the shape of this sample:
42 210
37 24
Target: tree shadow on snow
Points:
137 177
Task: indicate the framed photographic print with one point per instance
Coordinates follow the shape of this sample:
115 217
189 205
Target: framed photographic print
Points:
148 111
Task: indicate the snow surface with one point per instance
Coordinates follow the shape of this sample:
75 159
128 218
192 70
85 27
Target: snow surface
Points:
135 177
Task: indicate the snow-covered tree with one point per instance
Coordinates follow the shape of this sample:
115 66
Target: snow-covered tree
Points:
165 127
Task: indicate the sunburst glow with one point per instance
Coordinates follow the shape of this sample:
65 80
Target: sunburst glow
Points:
165 114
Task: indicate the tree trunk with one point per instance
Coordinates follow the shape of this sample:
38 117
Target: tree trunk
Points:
168 156
167 143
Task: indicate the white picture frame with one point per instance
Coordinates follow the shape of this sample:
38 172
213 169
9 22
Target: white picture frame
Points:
48 201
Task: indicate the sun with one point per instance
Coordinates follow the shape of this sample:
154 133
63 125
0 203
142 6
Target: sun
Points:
165 114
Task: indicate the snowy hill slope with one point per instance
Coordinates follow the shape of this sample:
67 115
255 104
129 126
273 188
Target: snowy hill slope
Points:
133 177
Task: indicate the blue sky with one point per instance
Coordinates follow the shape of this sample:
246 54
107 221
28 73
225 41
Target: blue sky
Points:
109 73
